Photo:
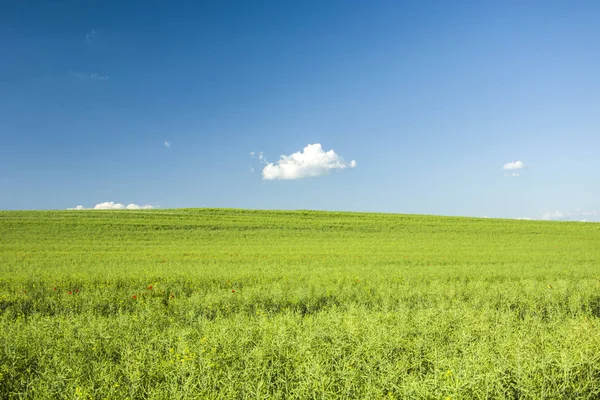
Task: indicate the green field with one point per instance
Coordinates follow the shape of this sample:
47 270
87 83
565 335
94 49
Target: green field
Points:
210 303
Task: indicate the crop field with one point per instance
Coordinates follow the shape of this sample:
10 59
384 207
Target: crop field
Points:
214 303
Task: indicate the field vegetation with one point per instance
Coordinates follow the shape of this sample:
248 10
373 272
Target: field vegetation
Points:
214 303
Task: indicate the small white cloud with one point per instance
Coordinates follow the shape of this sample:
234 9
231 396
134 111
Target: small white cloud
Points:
252 154
167 144
109 205
312 161
514 165
251 169
90 36
524 218
132 206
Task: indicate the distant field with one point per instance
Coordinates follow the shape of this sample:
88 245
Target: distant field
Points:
212 303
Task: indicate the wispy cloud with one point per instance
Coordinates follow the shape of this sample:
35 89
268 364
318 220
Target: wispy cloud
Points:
311 161
167 144
86 76
262 158
576 215
89 37
109 205
97 77
548 215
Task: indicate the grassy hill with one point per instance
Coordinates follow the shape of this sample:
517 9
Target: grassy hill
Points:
219 303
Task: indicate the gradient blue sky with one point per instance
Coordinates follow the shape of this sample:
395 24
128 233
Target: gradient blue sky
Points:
430 98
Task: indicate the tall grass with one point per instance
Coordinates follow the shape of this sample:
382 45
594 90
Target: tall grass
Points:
264 304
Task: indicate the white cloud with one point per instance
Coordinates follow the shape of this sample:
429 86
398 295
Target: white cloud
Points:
524 218
167 144
109 205
312 161
514 165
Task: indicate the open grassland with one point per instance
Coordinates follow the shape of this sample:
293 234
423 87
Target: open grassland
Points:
258 304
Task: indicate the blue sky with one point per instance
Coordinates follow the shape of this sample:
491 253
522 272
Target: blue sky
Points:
429 99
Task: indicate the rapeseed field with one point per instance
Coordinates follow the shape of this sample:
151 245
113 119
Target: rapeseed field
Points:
224 303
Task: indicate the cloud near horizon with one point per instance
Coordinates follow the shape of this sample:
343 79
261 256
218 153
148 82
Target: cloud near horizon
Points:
577 215
109 205
311 161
